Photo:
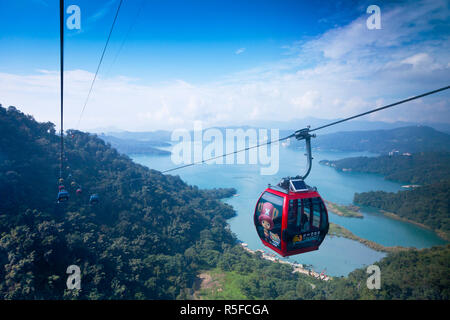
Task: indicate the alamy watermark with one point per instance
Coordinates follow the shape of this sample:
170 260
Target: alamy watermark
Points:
200 145
374 20
74 20
374 280
74 278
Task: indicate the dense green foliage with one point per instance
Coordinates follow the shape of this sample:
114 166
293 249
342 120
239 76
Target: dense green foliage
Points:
258 278
429 205
139 242
406 139
419 168
411 274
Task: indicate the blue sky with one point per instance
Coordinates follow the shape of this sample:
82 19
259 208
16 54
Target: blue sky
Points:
215 60
196 40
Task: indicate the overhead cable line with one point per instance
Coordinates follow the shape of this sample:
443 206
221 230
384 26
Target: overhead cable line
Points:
127 35
100 62
382 108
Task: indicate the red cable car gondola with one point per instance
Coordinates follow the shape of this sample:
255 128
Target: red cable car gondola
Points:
291 218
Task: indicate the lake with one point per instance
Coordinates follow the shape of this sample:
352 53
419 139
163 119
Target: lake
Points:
338 256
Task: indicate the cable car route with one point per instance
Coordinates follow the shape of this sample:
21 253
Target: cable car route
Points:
63 195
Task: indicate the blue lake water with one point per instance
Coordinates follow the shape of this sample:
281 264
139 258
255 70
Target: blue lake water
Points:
338 256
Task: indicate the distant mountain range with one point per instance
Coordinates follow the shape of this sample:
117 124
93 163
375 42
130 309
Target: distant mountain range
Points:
353 125
291 125
285 127
153 136
411 139
400 140
131 146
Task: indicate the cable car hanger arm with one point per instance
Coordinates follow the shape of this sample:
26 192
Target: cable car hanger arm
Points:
303 134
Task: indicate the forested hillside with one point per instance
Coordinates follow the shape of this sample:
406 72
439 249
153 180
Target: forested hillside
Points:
418 168
428 205
140 241
150 235
413 274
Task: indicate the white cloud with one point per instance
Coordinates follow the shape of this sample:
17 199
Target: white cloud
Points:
240 50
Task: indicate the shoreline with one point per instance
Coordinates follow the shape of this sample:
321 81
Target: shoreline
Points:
339 231
348 211
441 234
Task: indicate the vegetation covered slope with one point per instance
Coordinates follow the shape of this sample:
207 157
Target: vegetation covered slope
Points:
413 274
428 205
418 168
138 242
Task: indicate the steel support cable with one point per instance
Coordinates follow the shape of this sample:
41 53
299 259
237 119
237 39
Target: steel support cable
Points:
126 36
100 62
382 108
